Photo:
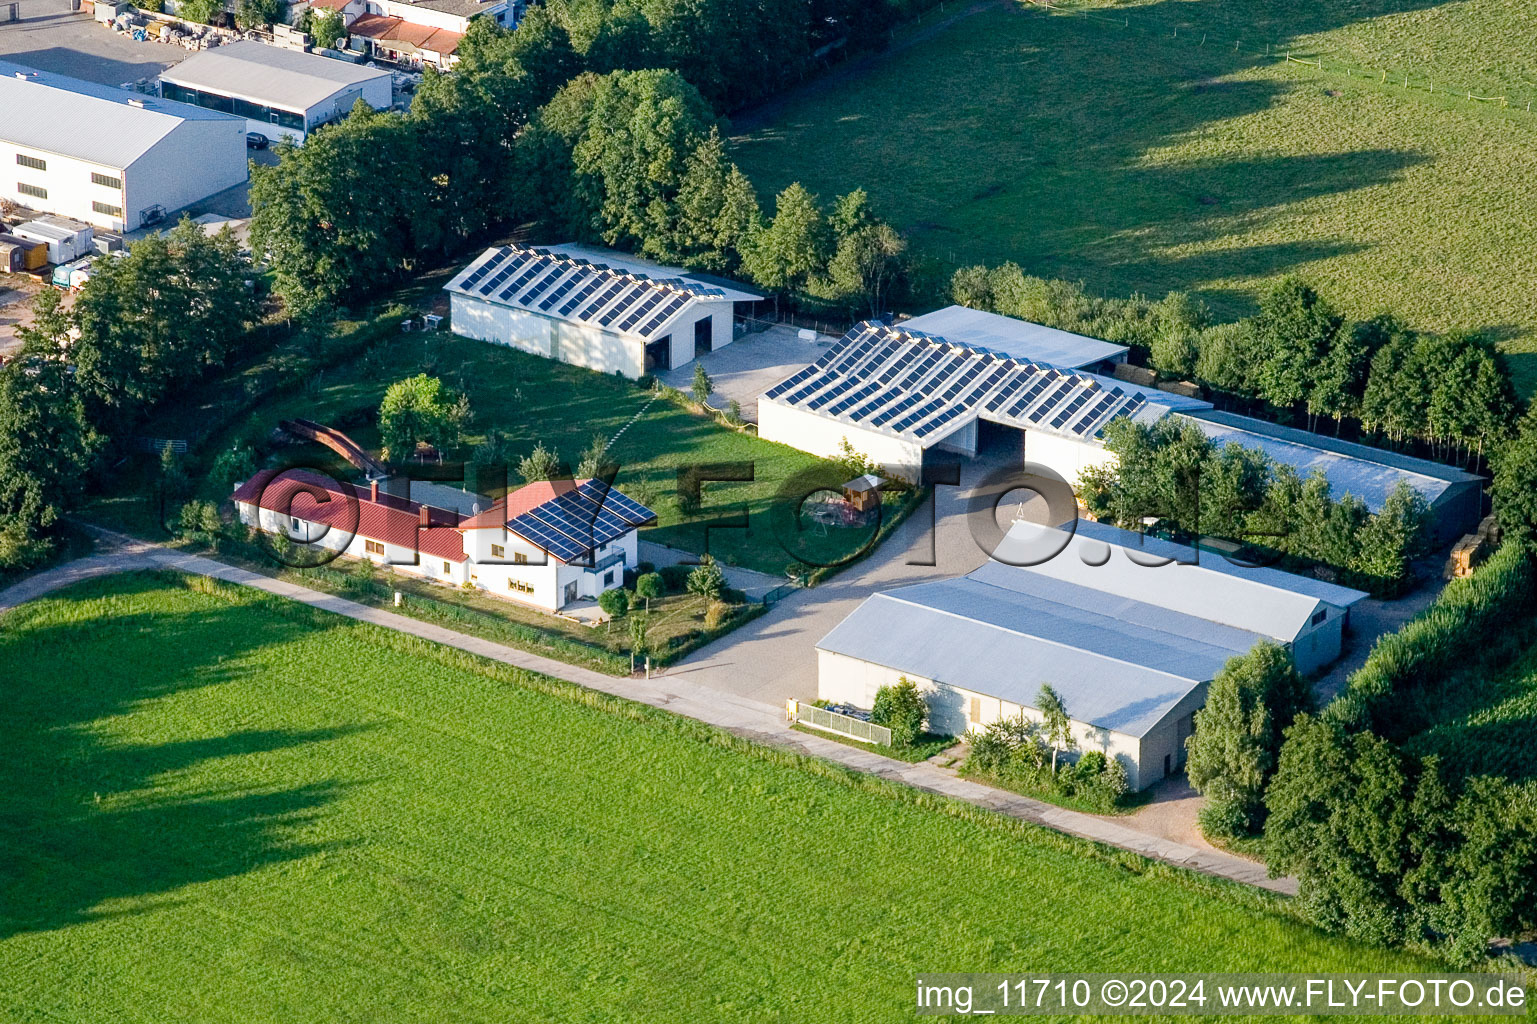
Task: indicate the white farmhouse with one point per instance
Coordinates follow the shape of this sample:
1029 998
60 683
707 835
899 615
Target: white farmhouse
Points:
279 93
548 544
606 318
417 32
1129 630
106 156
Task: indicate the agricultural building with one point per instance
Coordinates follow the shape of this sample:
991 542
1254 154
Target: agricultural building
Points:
1128 630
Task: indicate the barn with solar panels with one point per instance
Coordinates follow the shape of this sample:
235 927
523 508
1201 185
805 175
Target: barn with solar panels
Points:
606 318
901 395
898 395
550 544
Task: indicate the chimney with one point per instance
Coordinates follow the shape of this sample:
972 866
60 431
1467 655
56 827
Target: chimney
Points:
373 489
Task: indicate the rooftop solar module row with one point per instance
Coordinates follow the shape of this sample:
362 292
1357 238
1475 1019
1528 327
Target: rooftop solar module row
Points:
576 289
911 384
570 525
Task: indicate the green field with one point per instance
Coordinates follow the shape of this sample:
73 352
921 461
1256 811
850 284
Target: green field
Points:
532 400
218 806
1118 148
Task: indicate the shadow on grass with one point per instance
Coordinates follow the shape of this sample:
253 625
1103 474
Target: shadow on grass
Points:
98 813
1045 138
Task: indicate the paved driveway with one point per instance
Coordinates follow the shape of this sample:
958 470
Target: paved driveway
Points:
751 365
774 657
50 37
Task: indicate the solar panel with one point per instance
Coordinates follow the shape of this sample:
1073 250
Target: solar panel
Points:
674 304
535 268
626 299
1079 401
622 504
1095 411
556 294
501 275
604 299
652 301
556 273
593 284
790 382
1049 402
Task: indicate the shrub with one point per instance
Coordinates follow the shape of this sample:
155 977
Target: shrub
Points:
716 614
902 709
707 580
675 577
614 602
643 568
731 595
649 585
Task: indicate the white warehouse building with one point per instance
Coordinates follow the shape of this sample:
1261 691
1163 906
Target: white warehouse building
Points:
1128 630
899 395
106 156
606 318
280 93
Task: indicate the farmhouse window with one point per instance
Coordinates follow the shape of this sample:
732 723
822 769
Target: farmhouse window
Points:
497 551
447 569
976 710
107 209
373 547
519 558
106 179
1320 615
31 190
36 163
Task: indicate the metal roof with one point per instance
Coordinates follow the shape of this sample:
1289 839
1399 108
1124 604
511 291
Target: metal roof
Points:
269 75
1122 641
1122 564
99 124
1020 339
921 388
566 288
1370 474
972 634
733 290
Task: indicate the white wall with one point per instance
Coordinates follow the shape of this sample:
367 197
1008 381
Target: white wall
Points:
1063 455
399 558
1317 645
193 162
849 680
542 581
68 182
577 344
821 435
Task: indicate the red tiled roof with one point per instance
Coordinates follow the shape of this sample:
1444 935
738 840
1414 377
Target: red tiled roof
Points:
391 519
383 28
524 499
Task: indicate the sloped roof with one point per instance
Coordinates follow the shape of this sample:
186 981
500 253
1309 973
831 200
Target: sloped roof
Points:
921 388
269 74
1122 641
341 506
1121 564
736 291
95 123
383 28
566 288
567 518
1020 339
1370 474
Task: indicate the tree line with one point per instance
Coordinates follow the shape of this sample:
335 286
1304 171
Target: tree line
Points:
1297 360
145 325
525 132
1391 844
1170 469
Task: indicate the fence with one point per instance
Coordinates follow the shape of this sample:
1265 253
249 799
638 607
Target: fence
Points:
156 445
843 725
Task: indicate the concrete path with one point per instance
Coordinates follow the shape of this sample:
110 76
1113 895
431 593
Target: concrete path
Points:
751 719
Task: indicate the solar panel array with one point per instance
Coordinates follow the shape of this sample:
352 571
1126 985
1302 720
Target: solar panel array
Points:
573 289
915 385
572 524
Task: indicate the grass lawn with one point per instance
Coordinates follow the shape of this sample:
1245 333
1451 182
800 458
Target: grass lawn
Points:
925 747
532 400
1109 150
218 806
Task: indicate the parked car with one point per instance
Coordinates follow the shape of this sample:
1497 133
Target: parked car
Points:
256 140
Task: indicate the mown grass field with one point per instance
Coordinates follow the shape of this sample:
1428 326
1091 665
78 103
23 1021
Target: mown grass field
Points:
532 400
217 806
1118 148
